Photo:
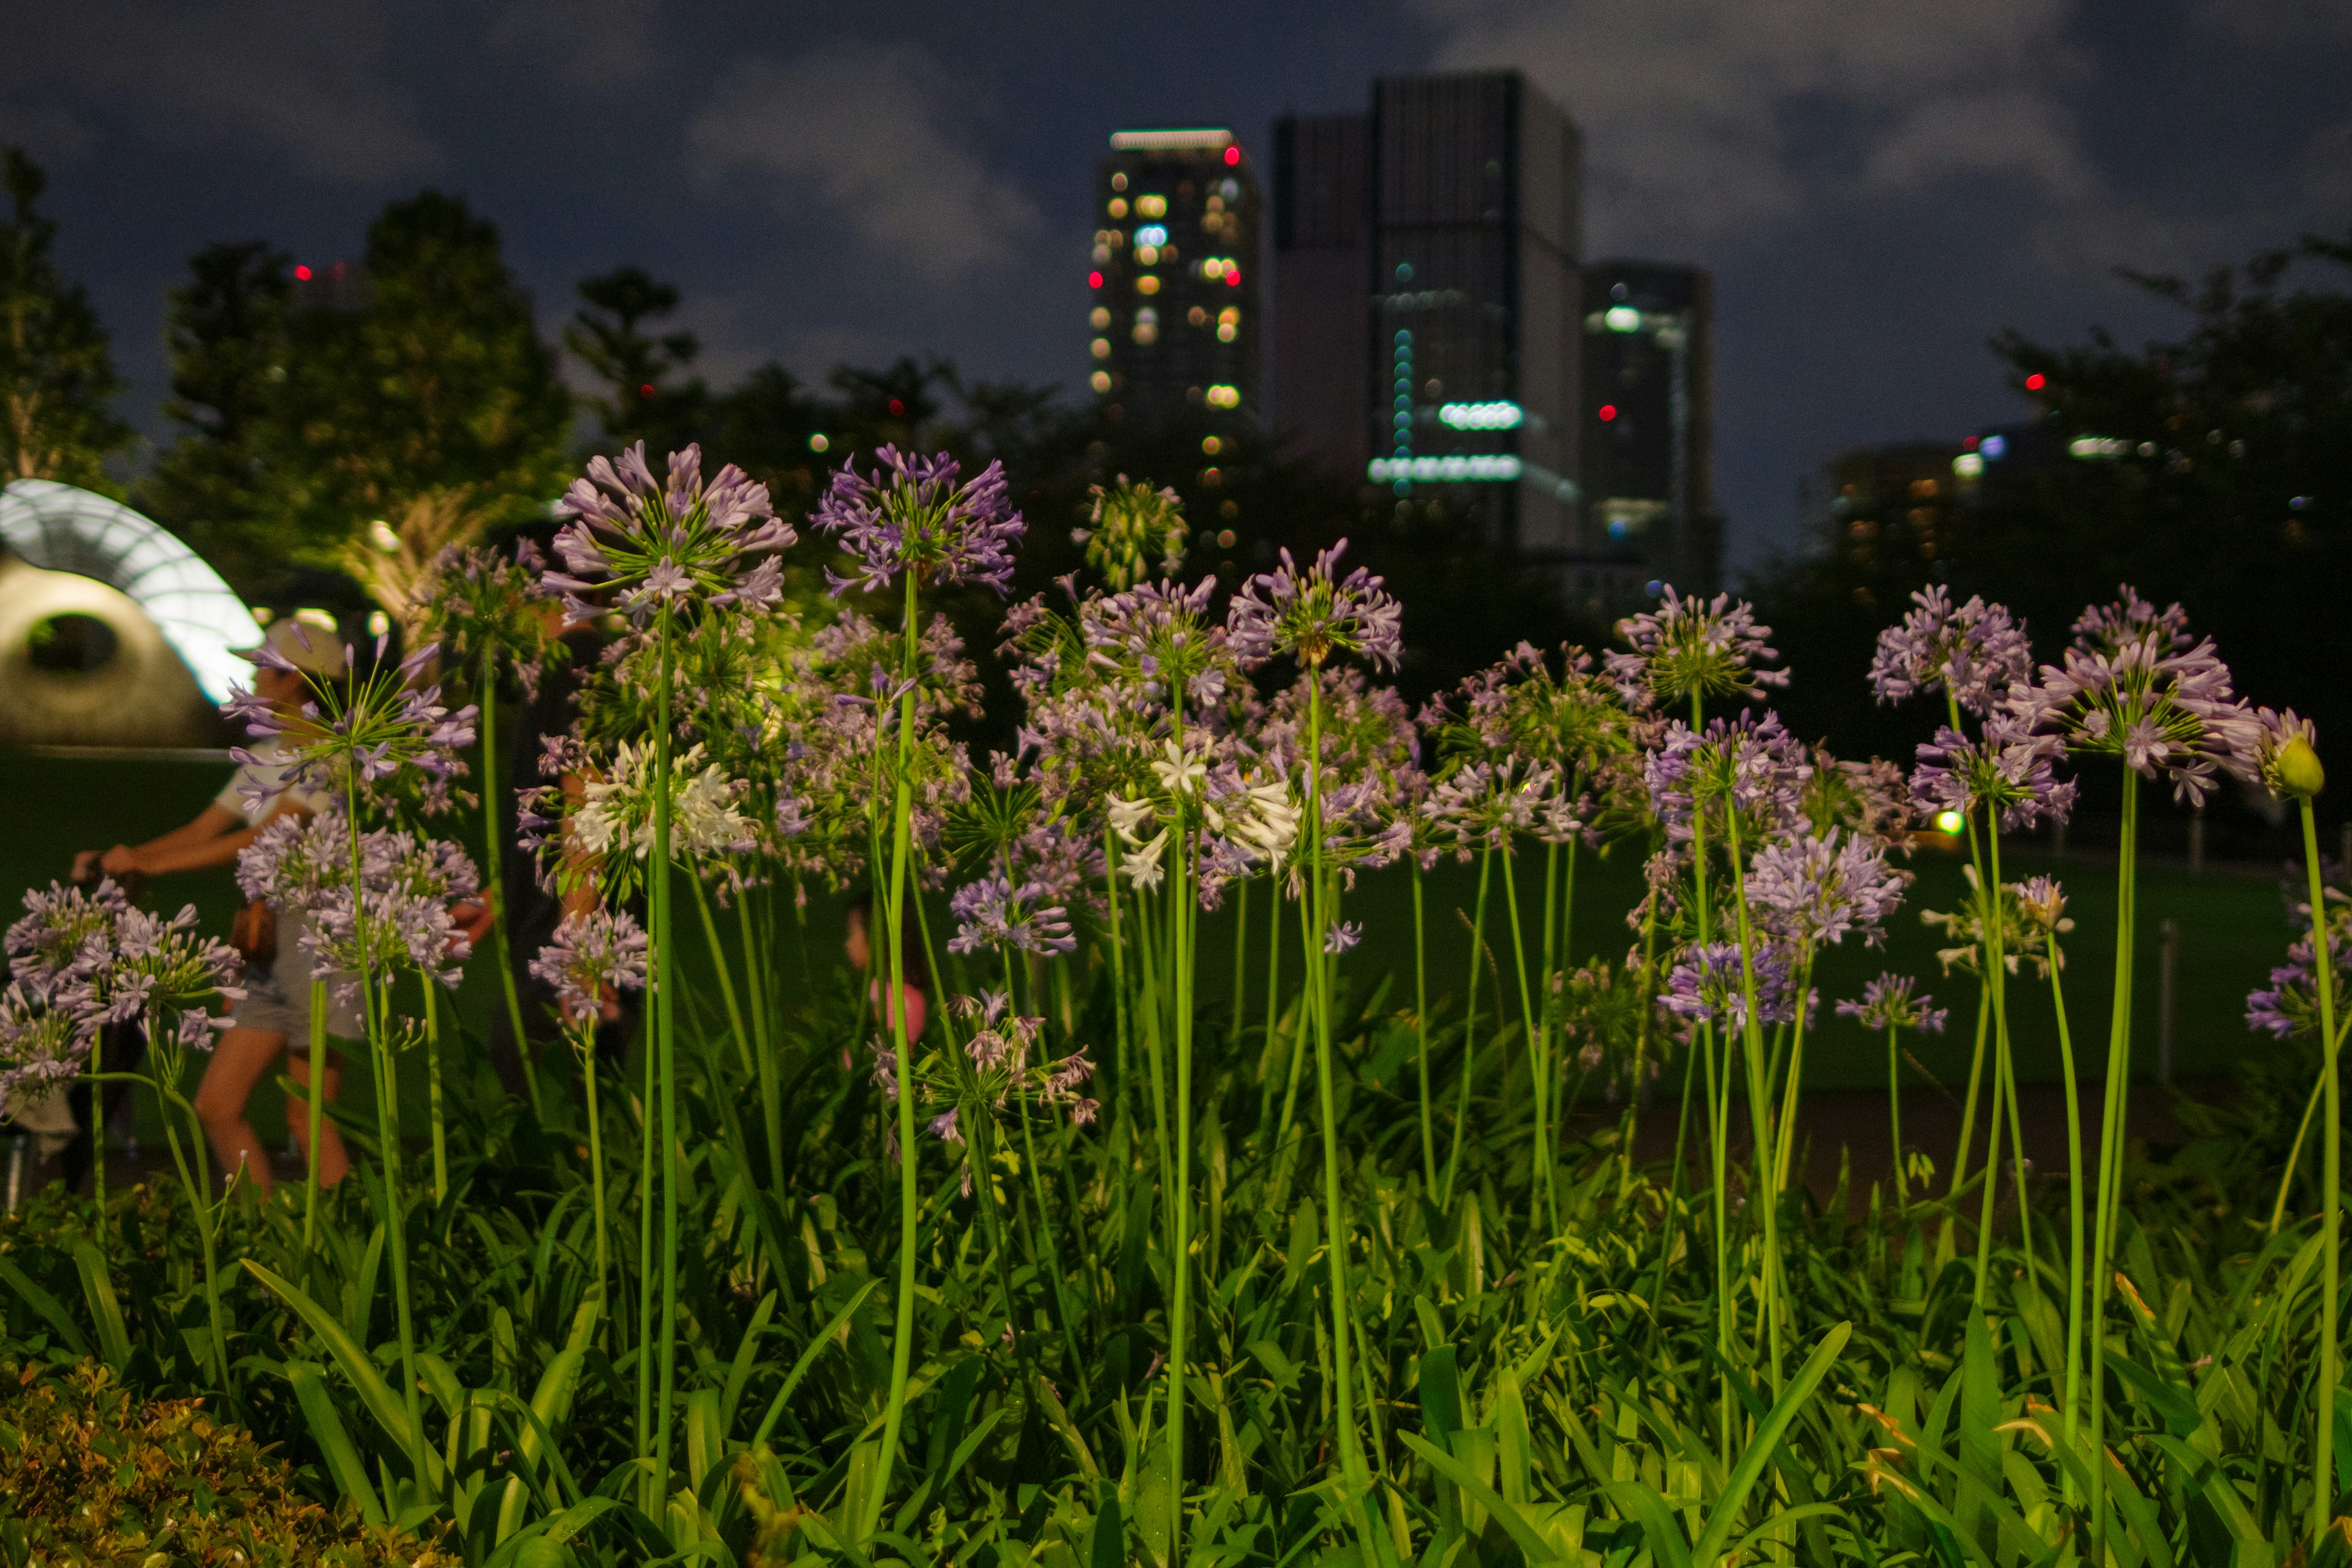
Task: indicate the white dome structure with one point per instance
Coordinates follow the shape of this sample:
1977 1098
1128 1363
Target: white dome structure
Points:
60 528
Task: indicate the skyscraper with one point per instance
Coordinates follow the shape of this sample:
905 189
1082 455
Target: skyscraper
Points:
1647 471
1459 198
1173 326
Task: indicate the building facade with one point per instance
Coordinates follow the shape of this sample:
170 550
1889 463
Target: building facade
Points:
1891 505
1647 441
1173 323
1322 262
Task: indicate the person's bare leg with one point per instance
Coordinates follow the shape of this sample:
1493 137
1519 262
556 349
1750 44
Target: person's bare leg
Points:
238 1063
333 1159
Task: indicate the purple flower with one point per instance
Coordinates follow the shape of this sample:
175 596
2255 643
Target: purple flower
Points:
384 730
920 520
2135 687
992 915
1312 614
162 974
2008 769
656 544
2289 1005
1887 1003
1820 887
1685 649
480 607
1708 986
1340 938
42 1049
1751 764
1975 652
54 938
591 953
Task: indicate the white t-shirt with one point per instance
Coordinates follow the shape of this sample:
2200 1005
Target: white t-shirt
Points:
255 790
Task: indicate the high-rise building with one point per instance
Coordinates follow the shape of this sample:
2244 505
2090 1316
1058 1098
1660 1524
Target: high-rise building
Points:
1322 273
1647 473
1456 204
1173 325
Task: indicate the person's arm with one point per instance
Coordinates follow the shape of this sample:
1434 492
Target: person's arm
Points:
208 824
214 838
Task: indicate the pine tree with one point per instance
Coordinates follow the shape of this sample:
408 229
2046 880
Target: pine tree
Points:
649 394
227 338
57 382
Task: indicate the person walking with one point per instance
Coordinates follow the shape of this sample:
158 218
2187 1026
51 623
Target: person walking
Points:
273 1018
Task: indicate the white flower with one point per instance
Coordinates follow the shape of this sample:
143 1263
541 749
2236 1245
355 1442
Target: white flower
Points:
1178 773
1129 815
1142 867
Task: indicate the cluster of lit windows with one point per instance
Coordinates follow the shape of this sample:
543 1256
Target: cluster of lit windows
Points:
1495 416
1215 267
1223 396
1151 206
1482 466
1401 421
1147 325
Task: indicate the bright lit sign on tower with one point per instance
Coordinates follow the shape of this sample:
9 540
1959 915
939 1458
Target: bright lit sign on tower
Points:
1498 415
1482 466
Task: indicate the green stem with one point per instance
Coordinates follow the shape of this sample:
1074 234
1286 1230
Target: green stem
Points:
1241 959
1539 1070
1469 1035
1760 1110
894 1009
662 983
2074 1260
584 1044
433 1092
771 1100
1895 1113
725 970
2111 1138
317 1108
494 891
1421 1033
2323 1494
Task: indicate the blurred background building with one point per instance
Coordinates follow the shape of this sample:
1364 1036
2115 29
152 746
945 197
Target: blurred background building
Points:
1647 440
1900 503
1173 324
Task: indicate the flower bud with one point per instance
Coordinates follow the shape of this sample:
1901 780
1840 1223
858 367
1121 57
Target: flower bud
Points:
2296 769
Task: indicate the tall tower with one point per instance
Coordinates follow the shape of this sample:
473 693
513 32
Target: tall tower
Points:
1322 271
1477 221
1647 439
1174 326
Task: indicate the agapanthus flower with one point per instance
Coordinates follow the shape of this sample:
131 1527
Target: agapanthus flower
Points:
1708 985
2022 937
2289 1005
1343 937
2134 687
1128 524
1976 652
1314 613
1751 764
1157 642
296 859
398 916
42 1049
1482 805
615 821
53 940
1820 887
1870 800
163 975
380 734
1889 1003
1685 649
591 953
2279 748
656 544
488 611
2008 769
992 915
917 519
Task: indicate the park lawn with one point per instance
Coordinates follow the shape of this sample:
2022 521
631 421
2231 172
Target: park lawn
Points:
2231 920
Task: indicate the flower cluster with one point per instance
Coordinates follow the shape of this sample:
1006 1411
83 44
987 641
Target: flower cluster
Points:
397 917
1821 887
486 612
2289 1005
664 544
1709 986
1128 525
1314 613
371 736
1976 652
918 519
994 915
591 955
1685 650
1749 765
2008 771
1889 1003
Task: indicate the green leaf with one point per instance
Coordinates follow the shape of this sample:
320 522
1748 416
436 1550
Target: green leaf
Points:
745 1360
46 1305
343 1461
1639 1501
1535 1548
1108 1547
375 1393
97 1291
808 1358
1724 1512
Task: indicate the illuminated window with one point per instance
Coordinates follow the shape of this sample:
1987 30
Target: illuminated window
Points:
1211 444
1147 256
1225 537
1227 332
1100 381
1147 285
1621 318
1144 333
1216 204
1117 206
1197 316
1968 465
1151 206
1119 182
1099 320
1102 348
1221 396
1211 476
1102 255
817 443
1152 233
1232 313
1230 190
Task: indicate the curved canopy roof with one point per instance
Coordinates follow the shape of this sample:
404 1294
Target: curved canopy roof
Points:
65 528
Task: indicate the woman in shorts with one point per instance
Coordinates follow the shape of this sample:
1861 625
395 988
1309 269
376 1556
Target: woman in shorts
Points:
275 1016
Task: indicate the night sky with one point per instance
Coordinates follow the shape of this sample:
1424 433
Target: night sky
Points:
1878 186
